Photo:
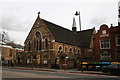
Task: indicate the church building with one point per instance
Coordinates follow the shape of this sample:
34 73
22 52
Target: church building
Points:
50 45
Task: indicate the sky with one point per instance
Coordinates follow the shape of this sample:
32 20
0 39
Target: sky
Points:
118 13
17 16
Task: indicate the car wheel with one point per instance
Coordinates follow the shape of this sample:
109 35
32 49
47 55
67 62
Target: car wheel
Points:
108 73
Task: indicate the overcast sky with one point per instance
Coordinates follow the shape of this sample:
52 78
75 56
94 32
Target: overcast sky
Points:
18 16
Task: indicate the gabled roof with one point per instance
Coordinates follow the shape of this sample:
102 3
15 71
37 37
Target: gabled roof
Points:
63 35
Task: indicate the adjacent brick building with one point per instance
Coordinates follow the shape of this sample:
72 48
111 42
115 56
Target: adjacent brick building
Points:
48 44
107 44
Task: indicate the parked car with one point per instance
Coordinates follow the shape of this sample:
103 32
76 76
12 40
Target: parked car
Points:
111 69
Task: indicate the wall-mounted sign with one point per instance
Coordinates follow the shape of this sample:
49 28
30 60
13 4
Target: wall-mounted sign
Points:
45 61
104 35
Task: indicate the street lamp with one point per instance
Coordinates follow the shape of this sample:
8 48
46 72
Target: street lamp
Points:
78 13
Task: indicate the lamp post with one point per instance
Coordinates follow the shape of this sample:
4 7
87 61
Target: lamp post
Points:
78 13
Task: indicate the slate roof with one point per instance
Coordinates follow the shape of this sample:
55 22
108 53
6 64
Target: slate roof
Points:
85 37
63 35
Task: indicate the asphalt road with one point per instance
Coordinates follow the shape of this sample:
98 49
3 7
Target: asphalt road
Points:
20 73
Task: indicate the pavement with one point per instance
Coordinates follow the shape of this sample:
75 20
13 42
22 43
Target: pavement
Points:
57 70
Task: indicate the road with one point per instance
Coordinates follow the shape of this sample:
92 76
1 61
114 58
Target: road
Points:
21 73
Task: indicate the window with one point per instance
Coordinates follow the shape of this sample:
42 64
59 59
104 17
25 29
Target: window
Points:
59 49
103 31
37 35
78 53
70 49
118 40
46 43
118 54
37 41
105 44
36 45
105 56
28 45
40 44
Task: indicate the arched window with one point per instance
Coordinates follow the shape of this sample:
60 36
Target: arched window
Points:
37 35
60 48
37 41
70 50
46 43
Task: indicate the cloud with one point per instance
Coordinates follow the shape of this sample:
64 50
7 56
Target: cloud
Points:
97 21
12 23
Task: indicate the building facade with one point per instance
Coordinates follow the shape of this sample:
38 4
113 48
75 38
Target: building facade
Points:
107 44
8 54
51 45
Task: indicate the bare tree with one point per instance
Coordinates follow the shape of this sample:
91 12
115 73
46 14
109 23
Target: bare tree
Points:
4 37
15 45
